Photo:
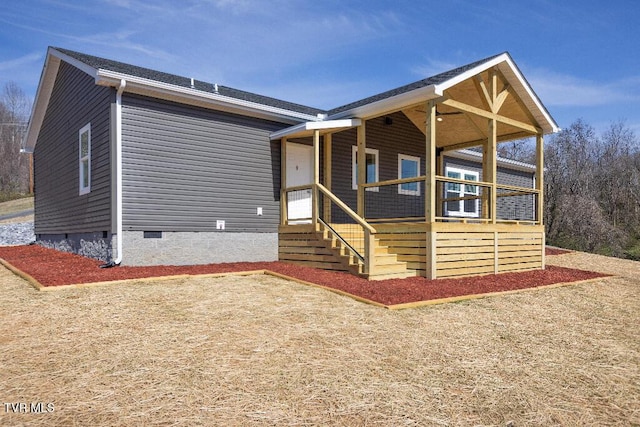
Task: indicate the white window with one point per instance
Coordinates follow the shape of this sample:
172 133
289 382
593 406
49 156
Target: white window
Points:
372 167
408 167
84 159
460 197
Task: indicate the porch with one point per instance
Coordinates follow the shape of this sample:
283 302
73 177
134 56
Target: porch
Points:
440 223
336 238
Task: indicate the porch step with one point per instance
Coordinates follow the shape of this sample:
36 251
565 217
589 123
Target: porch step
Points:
320 248
386 264
403 275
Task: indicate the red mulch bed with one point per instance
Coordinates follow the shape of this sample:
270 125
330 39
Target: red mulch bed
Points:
55 268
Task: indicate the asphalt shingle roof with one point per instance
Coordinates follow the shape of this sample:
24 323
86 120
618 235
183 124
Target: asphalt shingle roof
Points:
433 80
159 76
146 73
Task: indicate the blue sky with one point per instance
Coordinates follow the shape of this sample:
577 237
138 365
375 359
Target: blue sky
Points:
582 57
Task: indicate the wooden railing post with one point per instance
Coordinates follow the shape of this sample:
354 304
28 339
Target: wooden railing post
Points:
327 146
314 205
361 157
316 178
284 209
369 252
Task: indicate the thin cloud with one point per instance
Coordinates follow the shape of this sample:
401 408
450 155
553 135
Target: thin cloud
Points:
12 64
432 67
557 89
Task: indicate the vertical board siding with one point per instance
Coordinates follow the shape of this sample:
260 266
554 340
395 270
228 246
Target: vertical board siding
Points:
184 168
75 101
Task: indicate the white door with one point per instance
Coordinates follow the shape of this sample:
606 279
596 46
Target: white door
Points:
299 172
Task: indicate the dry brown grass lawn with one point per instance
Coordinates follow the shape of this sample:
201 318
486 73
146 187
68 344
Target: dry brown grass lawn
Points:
263 351
17 205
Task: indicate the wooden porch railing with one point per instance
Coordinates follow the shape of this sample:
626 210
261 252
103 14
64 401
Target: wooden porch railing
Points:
325 208
393 202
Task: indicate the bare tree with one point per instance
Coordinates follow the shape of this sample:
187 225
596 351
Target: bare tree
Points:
14 166
592 193
523 150
617 175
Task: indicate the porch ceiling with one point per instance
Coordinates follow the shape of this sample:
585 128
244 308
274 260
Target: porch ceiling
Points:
459 129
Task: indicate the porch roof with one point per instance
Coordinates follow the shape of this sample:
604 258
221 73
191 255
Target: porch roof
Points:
461 95
308 128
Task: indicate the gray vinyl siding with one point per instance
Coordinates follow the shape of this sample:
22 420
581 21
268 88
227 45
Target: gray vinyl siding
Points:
399 137
184 168
75 101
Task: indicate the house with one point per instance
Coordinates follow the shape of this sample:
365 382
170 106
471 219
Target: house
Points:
140 167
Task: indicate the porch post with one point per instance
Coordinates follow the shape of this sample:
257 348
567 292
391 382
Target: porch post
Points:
489 163
430 190
489 168
430 164
283 182
439 171
316 177
540 188
327 145
540 177
362 167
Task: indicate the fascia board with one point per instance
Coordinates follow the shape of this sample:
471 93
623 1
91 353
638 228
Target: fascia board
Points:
293 130
472 72
91 71
303 128
393 103
43 93
333 124
39 108
193 96
530 99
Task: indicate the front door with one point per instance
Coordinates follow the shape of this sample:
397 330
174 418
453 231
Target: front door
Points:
299 172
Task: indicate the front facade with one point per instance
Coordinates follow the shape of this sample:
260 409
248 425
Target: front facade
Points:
139 167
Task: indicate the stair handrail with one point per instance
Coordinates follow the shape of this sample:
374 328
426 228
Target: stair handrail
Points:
357 218
367 259
344 242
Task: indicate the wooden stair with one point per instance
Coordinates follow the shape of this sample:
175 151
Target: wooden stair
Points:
320 248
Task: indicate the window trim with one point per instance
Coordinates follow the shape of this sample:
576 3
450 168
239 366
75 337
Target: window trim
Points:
461 212
82 168
402 157
354 169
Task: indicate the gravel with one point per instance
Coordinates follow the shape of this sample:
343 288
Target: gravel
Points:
20 233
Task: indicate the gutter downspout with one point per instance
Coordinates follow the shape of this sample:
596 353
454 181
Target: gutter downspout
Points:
118 175
123 84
